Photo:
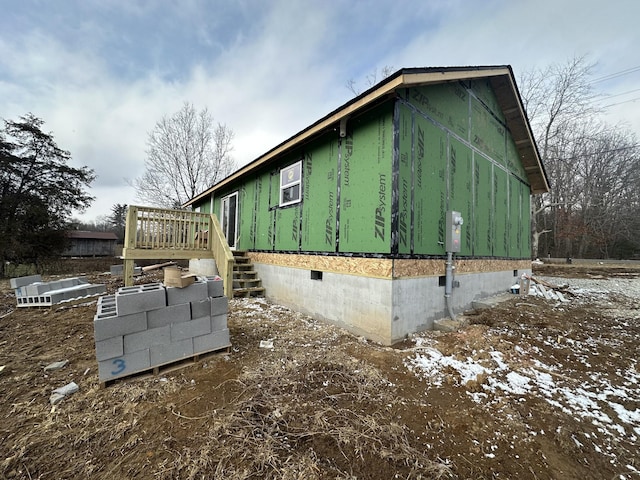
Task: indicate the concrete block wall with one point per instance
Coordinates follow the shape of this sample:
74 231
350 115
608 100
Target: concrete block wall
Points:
147 326
33 292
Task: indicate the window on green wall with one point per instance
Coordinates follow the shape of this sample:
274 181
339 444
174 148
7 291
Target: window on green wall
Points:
290 184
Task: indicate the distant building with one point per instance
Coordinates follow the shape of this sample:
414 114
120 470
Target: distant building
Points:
90 244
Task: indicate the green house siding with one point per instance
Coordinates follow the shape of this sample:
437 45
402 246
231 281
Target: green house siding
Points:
405 180
320 197
366 183
264 216
441 147
430 187
461 188
462 159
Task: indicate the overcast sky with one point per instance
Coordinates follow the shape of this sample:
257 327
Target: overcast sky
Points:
100 73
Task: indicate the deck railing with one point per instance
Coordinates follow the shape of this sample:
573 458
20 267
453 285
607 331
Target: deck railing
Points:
155 233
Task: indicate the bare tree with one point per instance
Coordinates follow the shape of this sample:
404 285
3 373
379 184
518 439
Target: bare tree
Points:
370 80
556 98
591 166
186 154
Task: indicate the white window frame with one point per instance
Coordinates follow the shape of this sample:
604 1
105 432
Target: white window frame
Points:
286 184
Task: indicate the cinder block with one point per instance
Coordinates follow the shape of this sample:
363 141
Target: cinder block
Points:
107 300
140 298
112 325
116 270
55 285
168 315
36 289
147 339
212 341
24 281
110 348
219 322
219 306
172 352
201 308
215 286
194 292
192 328
125 365
96 289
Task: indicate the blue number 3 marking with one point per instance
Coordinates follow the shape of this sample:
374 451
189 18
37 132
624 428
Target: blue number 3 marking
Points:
121 366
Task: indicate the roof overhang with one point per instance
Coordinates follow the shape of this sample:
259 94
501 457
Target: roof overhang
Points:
502 81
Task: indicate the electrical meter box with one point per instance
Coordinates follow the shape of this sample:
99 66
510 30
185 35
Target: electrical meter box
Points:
454 224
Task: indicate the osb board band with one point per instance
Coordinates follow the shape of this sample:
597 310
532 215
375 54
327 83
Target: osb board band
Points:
365 267
427 268
384 268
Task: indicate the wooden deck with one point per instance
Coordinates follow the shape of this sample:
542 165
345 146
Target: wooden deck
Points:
155 233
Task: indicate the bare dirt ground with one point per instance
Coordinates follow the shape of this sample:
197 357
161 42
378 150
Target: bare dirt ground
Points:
532 389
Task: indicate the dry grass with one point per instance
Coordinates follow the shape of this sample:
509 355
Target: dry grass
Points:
293 420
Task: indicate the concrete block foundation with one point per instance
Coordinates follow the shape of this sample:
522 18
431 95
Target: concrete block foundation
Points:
385 310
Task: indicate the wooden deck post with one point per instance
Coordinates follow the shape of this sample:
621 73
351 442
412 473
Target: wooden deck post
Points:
129 243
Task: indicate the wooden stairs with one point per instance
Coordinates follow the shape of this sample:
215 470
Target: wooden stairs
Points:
245 279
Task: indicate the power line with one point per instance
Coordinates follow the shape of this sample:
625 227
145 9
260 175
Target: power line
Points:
599 152
616 74
623 93
620 103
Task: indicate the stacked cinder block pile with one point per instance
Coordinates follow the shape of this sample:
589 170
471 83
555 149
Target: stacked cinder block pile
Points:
31 291
147 326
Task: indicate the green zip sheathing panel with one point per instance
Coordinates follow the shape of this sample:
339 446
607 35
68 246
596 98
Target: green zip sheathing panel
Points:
461 189
430 187
453 152
483 231
501 217
487 134
216 207
515 218
365 184
475 171
288 228
482 91
205 207
514 165
245 209
405 182
447 104
263 215
320 197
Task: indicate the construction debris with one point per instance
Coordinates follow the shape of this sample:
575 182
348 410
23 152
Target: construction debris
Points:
33 292
60 393
157 266
52 367
530 285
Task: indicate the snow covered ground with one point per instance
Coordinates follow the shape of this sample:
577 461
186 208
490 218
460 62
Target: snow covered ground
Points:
566 366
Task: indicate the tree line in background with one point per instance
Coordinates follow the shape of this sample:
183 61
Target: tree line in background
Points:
593 208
